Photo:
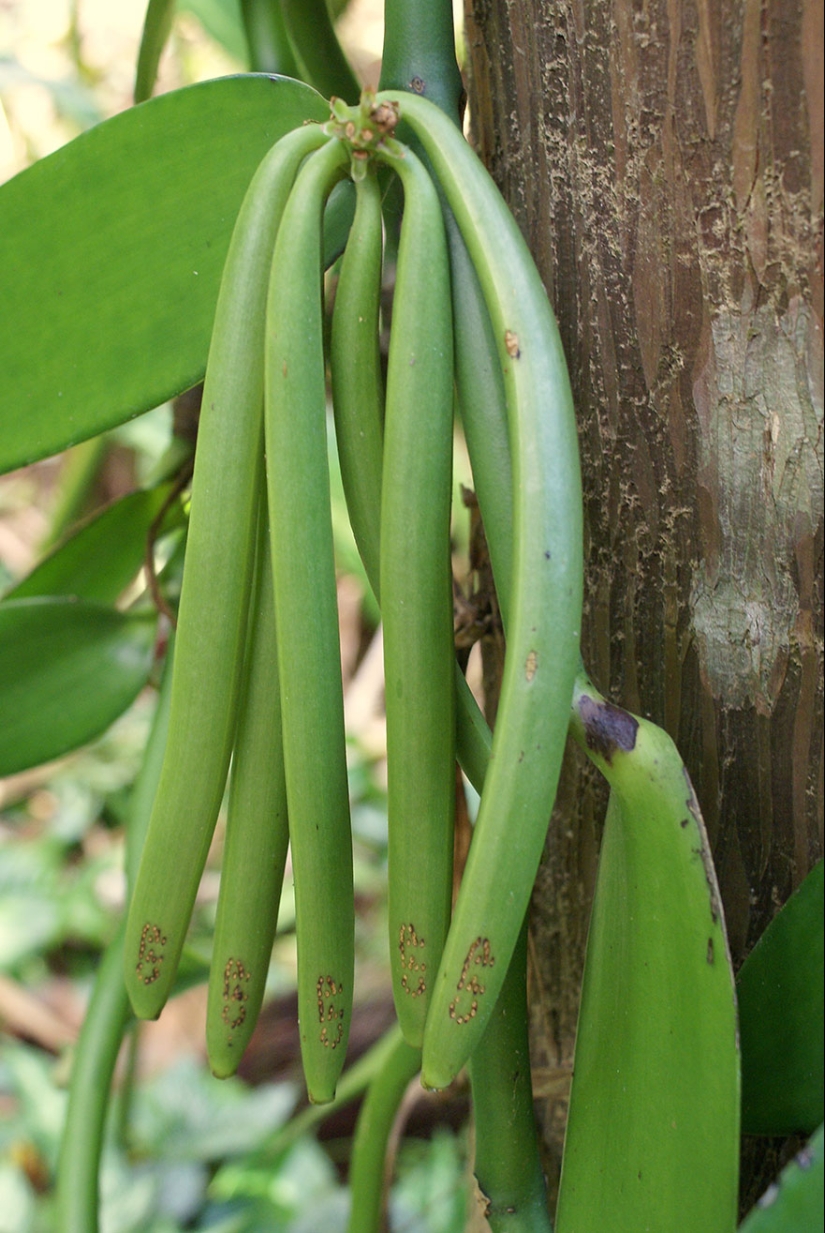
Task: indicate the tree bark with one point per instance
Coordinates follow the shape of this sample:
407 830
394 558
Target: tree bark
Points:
664 159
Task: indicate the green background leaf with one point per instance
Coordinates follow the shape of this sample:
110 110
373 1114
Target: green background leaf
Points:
111 252
781 1018
68 668
103 556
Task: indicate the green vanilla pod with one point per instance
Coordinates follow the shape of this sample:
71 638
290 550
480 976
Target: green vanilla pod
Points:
215 593
545 611
358 397
307 626
353 1083
417 601
483 407
257 837
355 369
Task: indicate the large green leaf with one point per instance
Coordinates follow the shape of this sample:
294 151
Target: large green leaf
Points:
793 1204
111 251
100 560
652 1139
781 1019
68 668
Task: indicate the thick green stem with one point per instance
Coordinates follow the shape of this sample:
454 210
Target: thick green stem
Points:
317 49
375 1122
80 469
419 52
107 1017
94 1063
122 1104
143 792
270 50
507 1165
157 27
418 55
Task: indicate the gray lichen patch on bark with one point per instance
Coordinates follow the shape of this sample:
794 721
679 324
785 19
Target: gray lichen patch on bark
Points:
760 474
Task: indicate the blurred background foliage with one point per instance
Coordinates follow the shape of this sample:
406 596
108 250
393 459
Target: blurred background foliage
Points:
184 1150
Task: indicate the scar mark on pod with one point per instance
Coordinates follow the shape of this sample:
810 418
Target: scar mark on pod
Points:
148 956
530 665
408 943
326 988
417 85
711 956
469 988
511 344
235 997
607 728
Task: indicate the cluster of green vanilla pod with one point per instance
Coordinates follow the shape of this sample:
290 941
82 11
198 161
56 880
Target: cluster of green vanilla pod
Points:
257 673
257 681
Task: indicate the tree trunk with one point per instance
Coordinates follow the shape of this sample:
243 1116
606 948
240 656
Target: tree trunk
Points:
664 161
